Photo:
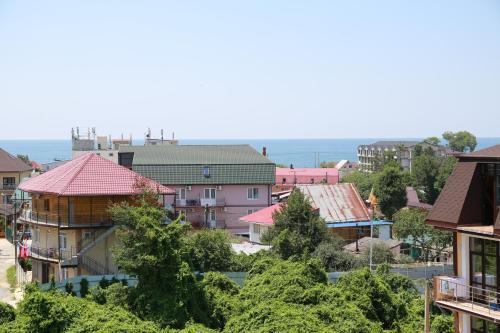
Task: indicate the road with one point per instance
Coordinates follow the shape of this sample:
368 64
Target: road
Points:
6 260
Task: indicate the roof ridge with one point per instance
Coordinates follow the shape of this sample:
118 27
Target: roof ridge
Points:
84 163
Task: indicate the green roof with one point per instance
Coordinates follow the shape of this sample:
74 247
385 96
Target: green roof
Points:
195 154
185 164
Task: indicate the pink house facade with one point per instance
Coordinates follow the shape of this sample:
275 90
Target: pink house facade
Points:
292 176
215 184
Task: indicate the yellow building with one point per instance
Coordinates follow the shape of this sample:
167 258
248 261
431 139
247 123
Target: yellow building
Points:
72 232
12 171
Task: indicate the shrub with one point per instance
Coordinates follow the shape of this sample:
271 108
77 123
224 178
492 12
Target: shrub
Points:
336 259
442 324
117 295
84 287
103 283
7 313
69 288
210 250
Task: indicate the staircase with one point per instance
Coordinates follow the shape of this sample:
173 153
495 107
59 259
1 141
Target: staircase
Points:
94 267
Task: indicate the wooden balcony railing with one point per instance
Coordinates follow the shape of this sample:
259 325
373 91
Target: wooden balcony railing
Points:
452 293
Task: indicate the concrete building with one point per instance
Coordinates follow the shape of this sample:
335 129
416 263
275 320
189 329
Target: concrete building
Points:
469 207
72 232
215 184
287 178
100 145
403 153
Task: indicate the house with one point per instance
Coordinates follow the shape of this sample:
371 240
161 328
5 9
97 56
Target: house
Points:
403 152
12 170
341 207
344 211
287 178
468 207
215 184
72 232
345 167
259 222
412 200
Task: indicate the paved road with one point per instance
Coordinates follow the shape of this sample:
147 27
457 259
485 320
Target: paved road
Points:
6 260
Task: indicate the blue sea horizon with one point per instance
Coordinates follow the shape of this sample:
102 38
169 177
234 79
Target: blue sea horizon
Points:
299 152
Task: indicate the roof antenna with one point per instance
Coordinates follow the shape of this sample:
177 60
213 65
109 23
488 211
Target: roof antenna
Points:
161 135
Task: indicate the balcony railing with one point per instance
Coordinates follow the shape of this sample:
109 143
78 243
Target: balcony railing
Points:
77 220
211 202
452 293
44 253
8 187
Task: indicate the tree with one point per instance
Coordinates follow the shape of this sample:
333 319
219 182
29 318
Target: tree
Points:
390 189
432 140
333 256
410 223
386 157
425 170
156 253
462 141
24 158
325 164
381 254
210 250
445 170
297 228
7 313
363 181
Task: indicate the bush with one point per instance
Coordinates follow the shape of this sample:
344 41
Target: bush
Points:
11 276
442 324
220 292
84 287
103 283
210 250
117 295
335 258
7 313
69 288
381 254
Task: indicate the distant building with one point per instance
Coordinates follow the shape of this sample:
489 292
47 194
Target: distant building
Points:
339 205
287 178
72 231
12 171
345 167
92 143
403 152
215 184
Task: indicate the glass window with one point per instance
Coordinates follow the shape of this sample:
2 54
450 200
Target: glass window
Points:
209 193
212 215
490 247
206 171
253 193
477 268
181 193
476 245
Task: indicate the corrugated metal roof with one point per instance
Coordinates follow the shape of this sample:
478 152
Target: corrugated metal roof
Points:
88 175
337 203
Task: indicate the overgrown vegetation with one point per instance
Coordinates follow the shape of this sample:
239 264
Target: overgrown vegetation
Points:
11 276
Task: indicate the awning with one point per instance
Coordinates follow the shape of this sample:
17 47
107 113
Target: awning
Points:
358 224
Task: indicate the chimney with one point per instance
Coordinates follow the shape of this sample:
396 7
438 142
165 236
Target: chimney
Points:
264 151
291 166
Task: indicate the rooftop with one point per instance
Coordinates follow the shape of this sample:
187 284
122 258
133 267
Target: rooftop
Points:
364 243
311 172
492 152
195 154
390 143
10 163
263 216
337 203
90 175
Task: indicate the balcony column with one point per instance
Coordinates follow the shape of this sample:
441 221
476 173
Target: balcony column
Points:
58 238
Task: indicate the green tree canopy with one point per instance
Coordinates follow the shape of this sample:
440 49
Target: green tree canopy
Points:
156 253
363 181
210 250
390 189
461 141
297 228
409 224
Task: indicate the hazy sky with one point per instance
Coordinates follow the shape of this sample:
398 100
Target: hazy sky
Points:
250 69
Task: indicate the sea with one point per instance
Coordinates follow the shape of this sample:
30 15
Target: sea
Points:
299 152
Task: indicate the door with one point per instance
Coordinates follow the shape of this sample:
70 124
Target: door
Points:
45 272
212 218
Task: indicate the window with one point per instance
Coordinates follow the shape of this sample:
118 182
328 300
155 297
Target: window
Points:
253 193
483 326
283 180
206 172
209 193
88 234
212 215
110 154
9 183
46 205
181 193
484 258
36 235
64 273
256 228
250 211
63 241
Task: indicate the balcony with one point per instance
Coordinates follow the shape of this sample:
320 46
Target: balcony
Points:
212 202
64 221
8 187
49 254
451 293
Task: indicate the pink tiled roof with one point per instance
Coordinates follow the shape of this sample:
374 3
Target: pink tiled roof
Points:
311 172
89 175
263 216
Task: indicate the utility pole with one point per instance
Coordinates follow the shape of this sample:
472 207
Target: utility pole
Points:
427 325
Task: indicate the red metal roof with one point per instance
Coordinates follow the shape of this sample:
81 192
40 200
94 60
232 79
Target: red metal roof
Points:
90 175
263 216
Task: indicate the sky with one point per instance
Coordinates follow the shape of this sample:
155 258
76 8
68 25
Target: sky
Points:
250 69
